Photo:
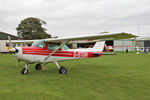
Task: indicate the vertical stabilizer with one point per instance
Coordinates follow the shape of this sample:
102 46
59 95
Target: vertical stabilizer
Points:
99 46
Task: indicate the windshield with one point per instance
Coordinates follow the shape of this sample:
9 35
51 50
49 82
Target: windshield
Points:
39 43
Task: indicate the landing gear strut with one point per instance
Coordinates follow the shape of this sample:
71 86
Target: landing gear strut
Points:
62 70
25 69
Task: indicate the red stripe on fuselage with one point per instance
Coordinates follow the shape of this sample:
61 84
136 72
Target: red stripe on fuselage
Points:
59 53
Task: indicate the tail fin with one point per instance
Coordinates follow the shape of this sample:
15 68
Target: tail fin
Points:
99 46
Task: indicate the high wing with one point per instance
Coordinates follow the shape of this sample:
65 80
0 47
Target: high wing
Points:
22 41
95 38
91 38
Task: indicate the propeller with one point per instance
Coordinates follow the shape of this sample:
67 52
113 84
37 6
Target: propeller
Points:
11 49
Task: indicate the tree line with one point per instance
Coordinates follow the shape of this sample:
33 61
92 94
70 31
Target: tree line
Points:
31 28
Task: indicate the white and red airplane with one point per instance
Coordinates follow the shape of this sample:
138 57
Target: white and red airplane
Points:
45 51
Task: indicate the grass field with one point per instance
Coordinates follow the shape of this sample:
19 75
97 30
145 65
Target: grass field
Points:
118 77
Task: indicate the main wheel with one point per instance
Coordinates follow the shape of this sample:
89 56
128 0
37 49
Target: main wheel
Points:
24 71
38 67
62 70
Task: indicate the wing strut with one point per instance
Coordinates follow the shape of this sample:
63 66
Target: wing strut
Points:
55 50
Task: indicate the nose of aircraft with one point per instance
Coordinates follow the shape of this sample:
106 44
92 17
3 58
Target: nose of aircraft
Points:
10 49
13 50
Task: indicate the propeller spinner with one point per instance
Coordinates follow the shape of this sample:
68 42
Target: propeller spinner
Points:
11 48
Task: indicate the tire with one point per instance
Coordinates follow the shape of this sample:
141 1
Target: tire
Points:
24 71
62 70
38 67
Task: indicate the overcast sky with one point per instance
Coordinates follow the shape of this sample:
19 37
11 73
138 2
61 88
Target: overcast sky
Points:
78 17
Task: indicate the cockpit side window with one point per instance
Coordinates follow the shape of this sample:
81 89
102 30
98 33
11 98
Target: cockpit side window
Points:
42 44
53 46
39 43
64 48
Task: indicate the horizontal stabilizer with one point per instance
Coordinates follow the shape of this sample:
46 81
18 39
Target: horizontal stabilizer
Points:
113 53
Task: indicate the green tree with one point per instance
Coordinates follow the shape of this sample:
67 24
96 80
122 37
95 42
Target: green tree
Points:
31 28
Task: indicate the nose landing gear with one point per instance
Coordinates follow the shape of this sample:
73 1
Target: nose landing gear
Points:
25 69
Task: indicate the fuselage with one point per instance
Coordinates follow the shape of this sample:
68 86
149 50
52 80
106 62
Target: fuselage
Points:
37 54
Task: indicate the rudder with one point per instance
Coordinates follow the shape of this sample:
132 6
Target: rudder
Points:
99 46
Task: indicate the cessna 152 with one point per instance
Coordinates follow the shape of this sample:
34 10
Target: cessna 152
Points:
45 51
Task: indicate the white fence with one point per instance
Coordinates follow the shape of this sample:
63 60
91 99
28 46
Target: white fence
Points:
3 47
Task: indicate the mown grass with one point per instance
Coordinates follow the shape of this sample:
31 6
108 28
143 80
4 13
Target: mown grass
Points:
113 77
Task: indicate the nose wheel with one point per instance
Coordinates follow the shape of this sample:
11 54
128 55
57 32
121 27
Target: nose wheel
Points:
25 70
